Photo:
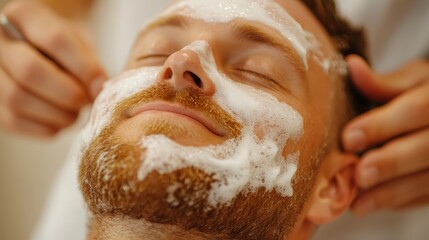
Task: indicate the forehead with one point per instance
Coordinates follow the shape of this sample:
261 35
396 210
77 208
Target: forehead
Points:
267 12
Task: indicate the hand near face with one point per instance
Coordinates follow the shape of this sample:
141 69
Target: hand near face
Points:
394 171
46 79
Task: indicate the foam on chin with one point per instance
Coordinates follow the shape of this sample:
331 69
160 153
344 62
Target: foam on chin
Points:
244 164
239 165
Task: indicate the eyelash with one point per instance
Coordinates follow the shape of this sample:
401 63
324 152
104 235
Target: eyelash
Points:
152 56
259 75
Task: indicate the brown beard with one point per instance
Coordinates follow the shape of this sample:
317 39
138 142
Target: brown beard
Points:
110 185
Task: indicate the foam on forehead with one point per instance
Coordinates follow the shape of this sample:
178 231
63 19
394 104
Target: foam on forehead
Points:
267 12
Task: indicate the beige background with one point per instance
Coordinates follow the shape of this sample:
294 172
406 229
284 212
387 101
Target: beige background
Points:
25 180
28 168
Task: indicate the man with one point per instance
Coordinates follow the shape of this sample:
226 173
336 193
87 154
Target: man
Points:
226 126
11 91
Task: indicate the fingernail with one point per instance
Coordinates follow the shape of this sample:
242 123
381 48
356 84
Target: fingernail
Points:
369 176
96 87
355 140
365 207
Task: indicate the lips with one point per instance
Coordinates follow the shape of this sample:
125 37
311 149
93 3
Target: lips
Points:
177 109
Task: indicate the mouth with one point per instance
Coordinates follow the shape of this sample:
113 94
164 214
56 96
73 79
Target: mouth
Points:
187 113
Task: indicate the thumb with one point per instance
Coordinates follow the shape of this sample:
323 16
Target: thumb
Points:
384 87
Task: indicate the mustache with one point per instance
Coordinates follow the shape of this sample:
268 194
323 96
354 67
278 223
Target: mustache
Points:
189 97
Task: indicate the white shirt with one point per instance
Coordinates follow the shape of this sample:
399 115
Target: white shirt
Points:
397 31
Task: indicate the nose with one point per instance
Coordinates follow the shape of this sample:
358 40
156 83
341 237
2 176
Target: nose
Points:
183 70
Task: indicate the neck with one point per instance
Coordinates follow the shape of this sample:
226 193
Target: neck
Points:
108 227
303 231
121 228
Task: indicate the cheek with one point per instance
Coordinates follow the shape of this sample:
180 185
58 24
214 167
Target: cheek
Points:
322 93
314 140
321 110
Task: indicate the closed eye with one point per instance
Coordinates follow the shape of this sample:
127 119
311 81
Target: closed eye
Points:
267 81
152 59
259 75
152 56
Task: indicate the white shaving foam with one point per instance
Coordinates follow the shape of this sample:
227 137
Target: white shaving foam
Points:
267 12
244 164
115 91
240 165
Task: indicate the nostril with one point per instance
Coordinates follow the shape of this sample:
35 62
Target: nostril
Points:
168 74
197 80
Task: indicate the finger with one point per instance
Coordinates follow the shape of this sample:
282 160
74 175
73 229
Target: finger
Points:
39 76
19 125
393 194
406 113
403 156
50 34
383 87
36 110
27 106
423 201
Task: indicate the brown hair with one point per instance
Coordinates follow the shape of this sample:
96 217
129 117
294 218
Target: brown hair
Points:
348 40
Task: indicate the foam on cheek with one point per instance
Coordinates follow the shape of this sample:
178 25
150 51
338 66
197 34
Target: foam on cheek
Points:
239 165
115 91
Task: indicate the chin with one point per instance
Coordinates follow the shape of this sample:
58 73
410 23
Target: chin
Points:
179 198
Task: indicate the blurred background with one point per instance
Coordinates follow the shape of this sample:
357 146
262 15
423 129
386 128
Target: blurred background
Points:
28 167
27 170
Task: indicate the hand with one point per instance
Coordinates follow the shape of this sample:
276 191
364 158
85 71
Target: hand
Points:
46 79
394 171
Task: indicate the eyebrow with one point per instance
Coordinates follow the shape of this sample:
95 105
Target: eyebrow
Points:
252 33
167 21
241 30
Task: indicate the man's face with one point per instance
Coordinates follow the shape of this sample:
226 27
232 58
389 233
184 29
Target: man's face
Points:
220 125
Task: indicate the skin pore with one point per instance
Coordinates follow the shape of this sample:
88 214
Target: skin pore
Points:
249 53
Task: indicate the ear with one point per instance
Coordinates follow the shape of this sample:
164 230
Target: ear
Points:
334 189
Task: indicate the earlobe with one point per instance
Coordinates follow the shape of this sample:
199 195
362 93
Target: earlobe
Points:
334 189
